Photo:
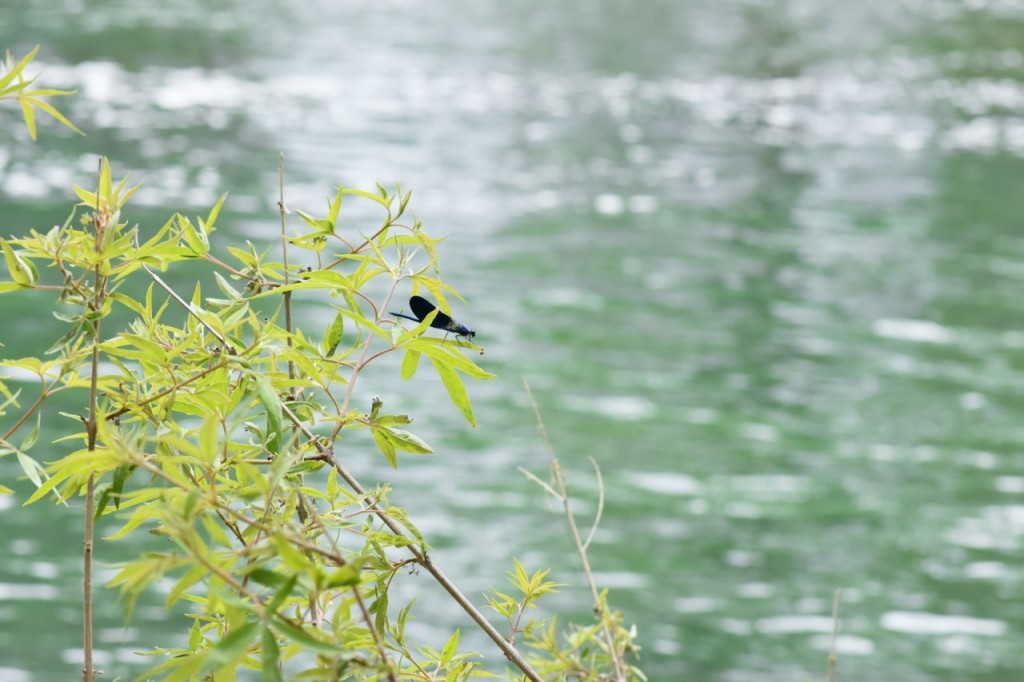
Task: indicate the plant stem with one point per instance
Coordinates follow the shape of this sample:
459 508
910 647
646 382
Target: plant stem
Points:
284 260
88 673
835 631
581 547
422 558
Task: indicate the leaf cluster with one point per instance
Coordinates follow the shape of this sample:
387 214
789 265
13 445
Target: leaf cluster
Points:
15 85
224 434
208 430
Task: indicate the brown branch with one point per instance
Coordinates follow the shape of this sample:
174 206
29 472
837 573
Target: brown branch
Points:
44 394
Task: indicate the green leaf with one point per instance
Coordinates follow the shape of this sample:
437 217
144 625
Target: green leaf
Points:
121 475
15 71
451 648
363 322
331 278
49 108
391 419
403 203
190 503
30 116
225 286
283 593
333 336
447 352
314 241
384 444
196 238
105 184
88 198
270 657
208 440
130 303
332 214
456 391
190 578
346 576
408 442
275 415
231 648
410 362
319 224
301 637
32 436
366 195
211 218
247 259
265 576
20 269
380 609
419 328
295 560
119 199
195 635
402 516
31 468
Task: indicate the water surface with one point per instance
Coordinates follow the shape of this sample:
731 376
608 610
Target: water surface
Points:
761 261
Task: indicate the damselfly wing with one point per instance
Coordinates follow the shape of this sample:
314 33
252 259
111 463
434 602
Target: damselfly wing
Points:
421 307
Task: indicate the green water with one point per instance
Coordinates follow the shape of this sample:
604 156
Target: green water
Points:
761 261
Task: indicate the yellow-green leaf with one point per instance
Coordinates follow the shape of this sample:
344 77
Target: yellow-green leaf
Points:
270 657
456 390
20 269
333 336
275 415
387 448
16 70
408 442
409 363
30 116
49 108
231 648
366 195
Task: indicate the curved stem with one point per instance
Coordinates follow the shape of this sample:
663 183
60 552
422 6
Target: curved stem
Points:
581 548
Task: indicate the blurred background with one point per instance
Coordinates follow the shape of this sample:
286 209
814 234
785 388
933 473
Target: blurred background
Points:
761 260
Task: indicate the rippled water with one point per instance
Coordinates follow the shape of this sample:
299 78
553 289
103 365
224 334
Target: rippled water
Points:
761 261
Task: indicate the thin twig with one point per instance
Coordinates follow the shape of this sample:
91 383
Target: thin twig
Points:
378 642
99 223
362 361
188 307
422 558
835 631
600 504
43 395
284 261
581 547
354 250
142 403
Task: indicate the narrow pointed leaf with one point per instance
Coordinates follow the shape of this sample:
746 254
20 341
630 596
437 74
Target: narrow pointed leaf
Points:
456 390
